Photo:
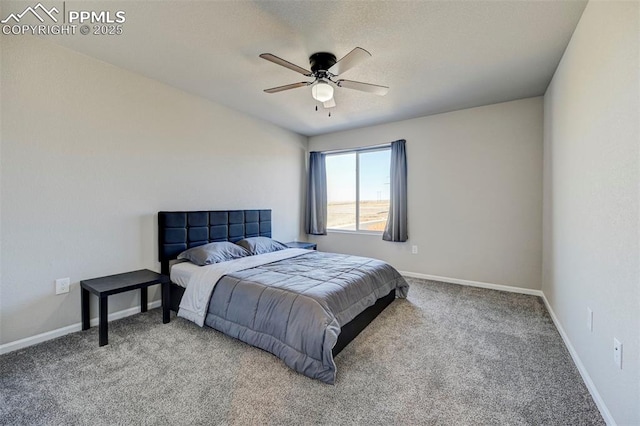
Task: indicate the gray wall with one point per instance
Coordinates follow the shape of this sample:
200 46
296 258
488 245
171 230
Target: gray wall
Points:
90 152
474 191
591 176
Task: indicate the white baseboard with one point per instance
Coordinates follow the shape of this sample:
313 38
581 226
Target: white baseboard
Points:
30 341
480 284
604 411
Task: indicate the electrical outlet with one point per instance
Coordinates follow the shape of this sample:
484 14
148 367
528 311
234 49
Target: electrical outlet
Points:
617 353
414 249
589 319
62 285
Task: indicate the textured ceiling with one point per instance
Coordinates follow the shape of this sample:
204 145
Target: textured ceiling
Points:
434 56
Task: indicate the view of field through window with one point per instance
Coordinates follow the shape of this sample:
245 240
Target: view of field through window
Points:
373 182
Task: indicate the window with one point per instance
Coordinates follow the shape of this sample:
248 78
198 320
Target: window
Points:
358 190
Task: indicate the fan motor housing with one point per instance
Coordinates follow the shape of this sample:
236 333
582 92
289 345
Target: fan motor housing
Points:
321 61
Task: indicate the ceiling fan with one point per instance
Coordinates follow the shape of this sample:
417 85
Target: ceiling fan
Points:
324 69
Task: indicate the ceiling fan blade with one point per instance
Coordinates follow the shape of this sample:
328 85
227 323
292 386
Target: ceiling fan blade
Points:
286 64
329 104
287 87
363 87
349 61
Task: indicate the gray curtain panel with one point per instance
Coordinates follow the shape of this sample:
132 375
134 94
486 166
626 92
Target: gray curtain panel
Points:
396 229
316 214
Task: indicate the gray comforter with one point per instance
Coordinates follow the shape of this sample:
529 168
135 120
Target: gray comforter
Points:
294 308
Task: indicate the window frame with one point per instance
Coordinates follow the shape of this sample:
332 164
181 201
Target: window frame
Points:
357 152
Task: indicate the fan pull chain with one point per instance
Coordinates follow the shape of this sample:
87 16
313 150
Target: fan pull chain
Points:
317 111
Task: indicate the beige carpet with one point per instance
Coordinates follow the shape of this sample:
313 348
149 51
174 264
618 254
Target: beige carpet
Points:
448 355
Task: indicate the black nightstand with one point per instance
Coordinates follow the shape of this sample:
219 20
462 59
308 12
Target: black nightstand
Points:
302 245
113 284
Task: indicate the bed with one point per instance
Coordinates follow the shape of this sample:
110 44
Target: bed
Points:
323 300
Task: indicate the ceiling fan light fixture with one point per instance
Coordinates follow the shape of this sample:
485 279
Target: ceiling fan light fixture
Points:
324 68
322 91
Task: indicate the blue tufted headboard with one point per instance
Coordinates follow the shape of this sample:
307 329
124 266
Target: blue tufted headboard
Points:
178 231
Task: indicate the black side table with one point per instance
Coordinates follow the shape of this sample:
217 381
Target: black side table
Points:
302 245
104 287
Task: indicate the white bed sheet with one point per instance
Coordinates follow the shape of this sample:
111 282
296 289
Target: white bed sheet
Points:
181 273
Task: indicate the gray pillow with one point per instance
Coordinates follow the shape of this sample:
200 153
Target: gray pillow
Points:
260 245
213 253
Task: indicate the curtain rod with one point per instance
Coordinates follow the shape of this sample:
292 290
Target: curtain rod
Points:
365 148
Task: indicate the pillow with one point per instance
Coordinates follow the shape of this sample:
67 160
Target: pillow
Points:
260 245
213 253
